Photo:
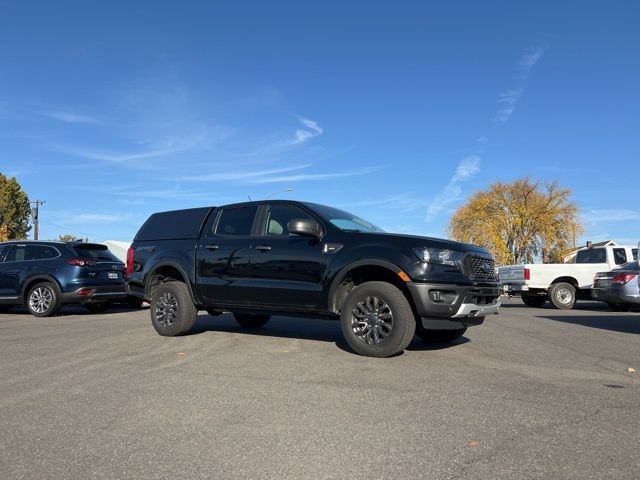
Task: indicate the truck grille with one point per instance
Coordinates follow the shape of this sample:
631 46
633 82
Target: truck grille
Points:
475 266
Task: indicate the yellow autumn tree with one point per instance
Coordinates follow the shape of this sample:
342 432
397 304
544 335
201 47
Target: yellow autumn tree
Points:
520 221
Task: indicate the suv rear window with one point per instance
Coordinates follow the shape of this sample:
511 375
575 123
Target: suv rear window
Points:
94 252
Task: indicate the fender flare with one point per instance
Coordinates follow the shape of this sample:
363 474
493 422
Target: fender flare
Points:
173 264
344 271
34 278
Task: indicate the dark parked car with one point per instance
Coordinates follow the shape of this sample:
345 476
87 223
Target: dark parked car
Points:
257 259
618 287
43 276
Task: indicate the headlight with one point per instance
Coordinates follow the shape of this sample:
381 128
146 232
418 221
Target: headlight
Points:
438 256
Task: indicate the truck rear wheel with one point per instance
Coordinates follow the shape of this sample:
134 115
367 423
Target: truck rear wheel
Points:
376 320
533 300
172 310
562 295
251 321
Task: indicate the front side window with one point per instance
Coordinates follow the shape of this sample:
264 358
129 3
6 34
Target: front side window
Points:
619 256
634 252
279 217
236 221
3 251
16 254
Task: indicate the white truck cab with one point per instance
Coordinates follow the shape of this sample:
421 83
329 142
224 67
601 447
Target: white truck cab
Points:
563 283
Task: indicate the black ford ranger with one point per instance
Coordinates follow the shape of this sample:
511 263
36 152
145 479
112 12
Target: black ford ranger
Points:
262 258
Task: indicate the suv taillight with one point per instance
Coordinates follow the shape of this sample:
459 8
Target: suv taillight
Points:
76 262
622 278
527 274
129 269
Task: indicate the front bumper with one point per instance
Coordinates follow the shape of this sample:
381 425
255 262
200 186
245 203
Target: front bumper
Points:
447 307
95 294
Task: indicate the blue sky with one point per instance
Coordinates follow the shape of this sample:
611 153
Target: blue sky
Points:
396 111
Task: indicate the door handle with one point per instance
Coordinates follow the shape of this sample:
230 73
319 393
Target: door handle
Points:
211 247
31 267
263 248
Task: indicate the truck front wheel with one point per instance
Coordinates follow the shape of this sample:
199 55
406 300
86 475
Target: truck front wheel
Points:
376 320
172 310
562 295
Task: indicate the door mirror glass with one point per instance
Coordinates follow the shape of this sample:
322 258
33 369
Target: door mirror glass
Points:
309 228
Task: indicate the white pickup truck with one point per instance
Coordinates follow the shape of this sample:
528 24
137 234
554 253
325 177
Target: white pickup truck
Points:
563 283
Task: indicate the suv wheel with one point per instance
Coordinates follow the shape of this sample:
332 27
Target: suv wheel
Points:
43 300
562 295
377 320
172 310
251 321
440 336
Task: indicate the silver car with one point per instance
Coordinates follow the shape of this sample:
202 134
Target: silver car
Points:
619 287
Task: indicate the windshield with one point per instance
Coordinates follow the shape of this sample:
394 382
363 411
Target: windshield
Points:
345 220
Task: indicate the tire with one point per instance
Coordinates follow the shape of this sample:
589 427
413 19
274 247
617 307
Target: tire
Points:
377 320
562 295
251 321
97 307
620 307
440 336
43 299
533 300
172 310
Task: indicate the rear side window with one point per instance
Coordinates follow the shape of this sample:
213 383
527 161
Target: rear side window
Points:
94 252
592 255
634 252
619 256
236 221
21 253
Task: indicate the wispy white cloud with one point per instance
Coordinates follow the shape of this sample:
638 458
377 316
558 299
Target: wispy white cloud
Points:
85 218
596 216
241 175
71 117
312 130
452 192
508 99
312 176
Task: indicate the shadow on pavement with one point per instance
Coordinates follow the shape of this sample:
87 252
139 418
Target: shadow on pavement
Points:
301 328
624 323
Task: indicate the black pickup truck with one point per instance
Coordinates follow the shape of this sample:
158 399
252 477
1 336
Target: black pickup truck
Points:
257 259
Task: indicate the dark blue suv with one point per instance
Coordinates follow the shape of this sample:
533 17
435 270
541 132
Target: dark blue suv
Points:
43 276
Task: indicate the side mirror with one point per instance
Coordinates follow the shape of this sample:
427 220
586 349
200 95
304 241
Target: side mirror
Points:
309 228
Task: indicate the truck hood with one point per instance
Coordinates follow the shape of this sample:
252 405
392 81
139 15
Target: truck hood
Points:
431 242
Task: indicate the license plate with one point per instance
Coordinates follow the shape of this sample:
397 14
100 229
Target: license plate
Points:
113 274
603 283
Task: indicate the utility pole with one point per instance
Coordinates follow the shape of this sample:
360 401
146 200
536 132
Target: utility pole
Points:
35 214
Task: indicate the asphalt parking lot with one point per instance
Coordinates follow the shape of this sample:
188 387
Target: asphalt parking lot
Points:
533 393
